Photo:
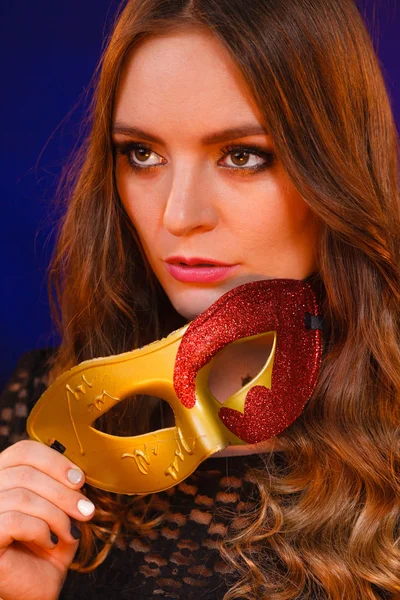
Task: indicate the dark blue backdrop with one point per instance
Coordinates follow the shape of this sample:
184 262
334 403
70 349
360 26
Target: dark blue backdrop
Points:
48 53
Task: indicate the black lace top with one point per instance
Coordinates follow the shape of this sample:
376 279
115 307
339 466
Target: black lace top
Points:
179 558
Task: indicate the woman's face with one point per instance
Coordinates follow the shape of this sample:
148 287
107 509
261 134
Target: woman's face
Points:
197 192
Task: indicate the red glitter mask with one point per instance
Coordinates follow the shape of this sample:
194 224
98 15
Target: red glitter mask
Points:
177 369
287 308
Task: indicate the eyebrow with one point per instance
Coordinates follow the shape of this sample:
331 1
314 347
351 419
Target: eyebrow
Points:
211 138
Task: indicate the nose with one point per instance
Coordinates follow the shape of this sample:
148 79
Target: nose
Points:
190 203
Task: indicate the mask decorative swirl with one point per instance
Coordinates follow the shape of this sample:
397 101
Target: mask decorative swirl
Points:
176 369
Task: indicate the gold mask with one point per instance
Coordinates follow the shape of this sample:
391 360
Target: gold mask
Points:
176 369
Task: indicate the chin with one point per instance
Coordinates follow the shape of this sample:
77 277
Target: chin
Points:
191 303
192 300
188 312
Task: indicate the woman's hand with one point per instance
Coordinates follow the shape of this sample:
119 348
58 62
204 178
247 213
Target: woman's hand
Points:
38 495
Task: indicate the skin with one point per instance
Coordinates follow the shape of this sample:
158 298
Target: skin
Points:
197 201
36 499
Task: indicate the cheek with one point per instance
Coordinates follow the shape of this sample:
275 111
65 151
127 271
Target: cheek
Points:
139 204
296 211
271 214
281 216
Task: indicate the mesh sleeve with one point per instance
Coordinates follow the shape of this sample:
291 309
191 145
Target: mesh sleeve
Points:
25 386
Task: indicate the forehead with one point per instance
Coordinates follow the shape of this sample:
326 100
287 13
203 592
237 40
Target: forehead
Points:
181 81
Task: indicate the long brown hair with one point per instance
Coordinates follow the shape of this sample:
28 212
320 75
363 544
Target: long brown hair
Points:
331 516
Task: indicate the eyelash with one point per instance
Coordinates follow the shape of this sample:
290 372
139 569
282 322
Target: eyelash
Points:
125 148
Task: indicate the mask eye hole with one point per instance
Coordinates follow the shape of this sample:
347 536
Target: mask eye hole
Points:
237 364
136 415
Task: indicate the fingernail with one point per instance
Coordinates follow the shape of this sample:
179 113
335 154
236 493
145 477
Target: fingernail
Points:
85 507
74 476
53 538
75 531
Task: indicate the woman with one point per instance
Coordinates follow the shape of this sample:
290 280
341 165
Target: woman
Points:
257 135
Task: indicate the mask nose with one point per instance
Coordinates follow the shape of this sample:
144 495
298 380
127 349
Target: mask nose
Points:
189 204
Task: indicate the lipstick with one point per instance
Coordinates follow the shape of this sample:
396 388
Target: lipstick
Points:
198 270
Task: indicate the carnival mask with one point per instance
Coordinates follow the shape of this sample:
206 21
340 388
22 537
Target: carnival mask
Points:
176 369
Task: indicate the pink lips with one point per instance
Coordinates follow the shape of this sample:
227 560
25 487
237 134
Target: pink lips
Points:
198 270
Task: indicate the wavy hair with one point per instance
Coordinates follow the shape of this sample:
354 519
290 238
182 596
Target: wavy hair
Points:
326 525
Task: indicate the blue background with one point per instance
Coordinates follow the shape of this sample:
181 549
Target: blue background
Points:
48 52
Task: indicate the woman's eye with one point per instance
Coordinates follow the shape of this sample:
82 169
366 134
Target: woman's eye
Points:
141 155
253 159
236 158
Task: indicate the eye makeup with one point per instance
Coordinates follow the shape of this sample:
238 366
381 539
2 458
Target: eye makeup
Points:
128 149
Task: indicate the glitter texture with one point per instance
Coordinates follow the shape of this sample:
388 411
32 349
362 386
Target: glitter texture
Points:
272 305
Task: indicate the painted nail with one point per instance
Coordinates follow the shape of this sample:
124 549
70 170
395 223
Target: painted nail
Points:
75 531
85 507
53 538
74 476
